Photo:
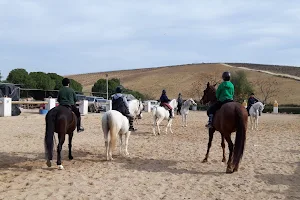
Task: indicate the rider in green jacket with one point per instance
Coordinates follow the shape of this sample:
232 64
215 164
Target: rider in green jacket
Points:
224 94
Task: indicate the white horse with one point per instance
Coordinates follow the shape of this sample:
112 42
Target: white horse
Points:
255 111
114 123
135 108
160 113
185 109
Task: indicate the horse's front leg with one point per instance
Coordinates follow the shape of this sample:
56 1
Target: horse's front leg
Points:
256 123
70 145
61 139
126 142
154 124
252 123
211 135
182 119
185 119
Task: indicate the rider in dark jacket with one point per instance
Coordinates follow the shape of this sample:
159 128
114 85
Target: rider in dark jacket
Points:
179 103
252 100
67 97
119 103
164 101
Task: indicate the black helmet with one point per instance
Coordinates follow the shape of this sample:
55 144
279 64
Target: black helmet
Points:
164 91
252 93
226 76
119 89
65 82
179 94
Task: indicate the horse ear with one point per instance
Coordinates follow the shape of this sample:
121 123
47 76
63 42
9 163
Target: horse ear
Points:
207 84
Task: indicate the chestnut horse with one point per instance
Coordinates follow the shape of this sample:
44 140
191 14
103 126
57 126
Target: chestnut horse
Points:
231 117
63 121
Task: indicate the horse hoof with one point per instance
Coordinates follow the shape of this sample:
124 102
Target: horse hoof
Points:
229 170
224 160
48 163
70 157
204 160
60 167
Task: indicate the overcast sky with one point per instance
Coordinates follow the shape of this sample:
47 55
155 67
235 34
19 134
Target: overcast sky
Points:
80 36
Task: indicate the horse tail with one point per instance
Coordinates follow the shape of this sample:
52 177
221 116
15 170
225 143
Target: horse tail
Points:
240 137
112 130
49 135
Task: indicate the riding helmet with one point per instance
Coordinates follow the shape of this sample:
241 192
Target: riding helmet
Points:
226 76
65 82
119 89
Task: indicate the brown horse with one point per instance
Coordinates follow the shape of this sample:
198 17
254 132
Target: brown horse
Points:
63 121
229 118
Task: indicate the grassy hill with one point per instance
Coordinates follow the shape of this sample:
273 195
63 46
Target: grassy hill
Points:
183 78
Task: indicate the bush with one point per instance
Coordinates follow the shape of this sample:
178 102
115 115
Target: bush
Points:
42 80
242 87
21 76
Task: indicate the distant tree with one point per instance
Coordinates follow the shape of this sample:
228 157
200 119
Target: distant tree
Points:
75 85
100 87
20 76
42 80
268 88
242 86
57 79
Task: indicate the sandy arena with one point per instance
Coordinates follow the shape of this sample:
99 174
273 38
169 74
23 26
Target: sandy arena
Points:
158 167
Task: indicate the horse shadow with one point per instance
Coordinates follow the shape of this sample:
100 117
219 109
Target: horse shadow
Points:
158 165
292 181
28 161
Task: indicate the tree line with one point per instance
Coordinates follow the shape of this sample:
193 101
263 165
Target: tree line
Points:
39 80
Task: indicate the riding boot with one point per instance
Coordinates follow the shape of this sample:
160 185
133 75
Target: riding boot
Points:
210 119
171 114
131 128
79 128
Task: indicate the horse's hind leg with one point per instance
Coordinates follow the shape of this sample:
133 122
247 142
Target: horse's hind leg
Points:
223 147
70 146
230 146
126 142
61 138
120 143
211 135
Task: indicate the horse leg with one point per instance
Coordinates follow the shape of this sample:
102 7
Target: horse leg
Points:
154 124
230 146
170 126
256 123
223 147
126 142
252 124
182 119
211 135
120 143
61 139
157 124
185 119
70 146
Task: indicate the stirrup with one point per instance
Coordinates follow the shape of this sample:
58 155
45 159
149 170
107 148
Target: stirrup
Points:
208 125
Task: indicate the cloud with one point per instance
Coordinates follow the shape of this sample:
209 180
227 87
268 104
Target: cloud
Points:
85 36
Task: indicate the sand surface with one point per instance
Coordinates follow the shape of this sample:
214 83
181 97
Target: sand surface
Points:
158 167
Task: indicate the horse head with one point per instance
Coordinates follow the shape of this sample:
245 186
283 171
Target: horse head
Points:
192 101
209 94
140 109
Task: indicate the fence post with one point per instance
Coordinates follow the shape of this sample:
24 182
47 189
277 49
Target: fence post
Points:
5 107
275 107
108 105
83 107
51 103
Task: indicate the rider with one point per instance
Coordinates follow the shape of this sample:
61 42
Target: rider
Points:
179 103
224 94
164 101
119 103
67 97
252 100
